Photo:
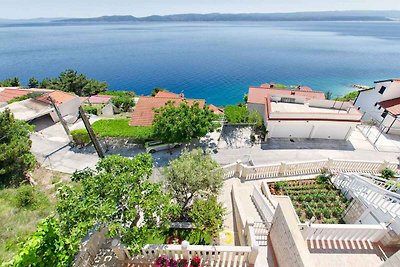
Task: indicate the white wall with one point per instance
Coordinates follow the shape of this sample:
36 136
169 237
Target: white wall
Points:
366 101
70 107
310 129
392 90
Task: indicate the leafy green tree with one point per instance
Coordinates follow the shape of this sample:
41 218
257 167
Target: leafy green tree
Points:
48 83
12 82
348 97
93 87
47 247
174 124
15 157
33 82
193 176
118 194
123 103
208 215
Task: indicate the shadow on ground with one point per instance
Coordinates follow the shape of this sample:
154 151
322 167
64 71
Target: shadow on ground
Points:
297 143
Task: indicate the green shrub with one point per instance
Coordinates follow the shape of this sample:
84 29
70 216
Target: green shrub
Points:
280 185
91 109
25 197
387 173
337 212
80 137
309 212
326 212
123 103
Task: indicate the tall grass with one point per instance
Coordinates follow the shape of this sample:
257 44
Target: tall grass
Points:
20 211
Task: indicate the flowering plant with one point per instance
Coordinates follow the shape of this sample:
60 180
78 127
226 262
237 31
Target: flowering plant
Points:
162 261
183 263
195 262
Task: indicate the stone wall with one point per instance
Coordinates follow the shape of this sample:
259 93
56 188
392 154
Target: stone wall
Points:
89 248
287 241
354 211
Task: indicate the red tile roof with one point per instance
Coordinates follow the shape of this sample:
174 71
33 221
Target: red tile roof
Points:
168 94
217 110
257 95
305 89
99 99
59 97
392 105
143 114
10 93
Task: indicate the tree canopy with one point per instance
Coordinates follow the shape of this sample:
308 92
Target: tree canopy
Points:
11 82
117 194
175 124
15 157
33 82
193 176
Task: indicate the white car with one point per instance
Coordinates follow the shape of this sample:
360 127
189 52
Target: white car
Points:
159 146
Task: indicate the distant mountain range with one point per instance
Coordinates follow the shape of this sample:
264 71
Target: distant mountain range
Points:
388 15
300 16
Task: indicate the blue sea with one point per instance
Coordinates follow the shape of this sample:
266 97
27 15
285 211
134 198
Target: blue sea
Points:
212 60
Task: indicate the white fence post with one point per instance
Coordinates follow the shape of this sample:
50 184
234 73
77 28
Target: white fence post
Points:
185 250
252 257
238 169
118 250
282 168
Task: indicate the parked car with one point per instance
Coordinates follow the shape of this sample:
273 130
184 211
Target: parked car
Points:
154 147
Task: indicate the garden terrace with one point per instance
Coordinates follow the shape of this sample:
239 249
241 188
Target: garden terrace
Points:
313 198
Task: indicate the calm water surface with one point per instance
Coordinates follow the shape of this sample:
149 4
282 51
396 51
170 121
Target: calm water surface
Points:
215 61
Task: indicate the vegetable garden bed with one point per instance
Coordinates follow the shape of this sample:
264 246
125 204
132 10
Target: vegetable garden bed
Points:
313 198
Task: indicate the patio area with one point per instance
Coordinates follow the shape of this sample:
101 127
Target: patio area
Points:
381 141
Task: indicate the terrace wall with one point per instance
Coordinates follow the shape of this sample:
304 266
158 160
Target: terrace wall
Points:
286 239
354 211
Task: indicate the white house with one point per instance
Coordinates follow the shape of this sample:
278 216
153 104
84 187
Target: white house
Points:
382 104
302 113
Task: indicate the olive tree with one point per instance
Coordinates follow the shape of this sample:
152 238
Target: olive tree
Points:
193 176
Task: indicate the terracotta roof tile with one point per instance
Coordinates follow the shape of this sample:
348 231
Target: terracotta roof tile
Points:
99 99
143 114
217 110
257 95
392 105
9 93
59 97
168 94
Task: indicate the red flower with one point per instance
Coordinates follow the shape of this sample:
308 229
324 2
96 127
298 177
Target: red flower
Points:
195 262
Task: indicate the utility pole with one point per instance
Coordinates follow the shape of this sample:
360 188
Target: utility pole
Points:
60 117
90 131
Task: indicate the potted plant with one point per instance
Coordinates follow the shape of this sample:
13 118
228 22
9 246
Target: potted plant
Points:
195 262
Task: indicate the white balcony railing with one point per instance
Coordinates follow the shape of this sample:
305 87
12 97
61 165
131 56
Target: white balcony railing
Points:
304 168
343 232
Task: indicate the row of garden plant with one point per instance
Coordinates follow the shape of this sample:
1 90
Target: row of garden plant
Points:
316 198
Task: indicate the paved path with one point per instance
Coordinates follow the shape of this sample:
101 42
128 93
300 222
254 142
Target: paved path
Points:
358 148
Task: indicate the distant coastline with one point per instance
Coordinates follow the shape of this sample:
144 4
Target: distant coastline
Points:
214 17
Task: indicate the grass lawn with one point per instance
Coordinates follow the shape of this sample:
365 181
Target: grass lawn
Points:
313 198
117 128
18 221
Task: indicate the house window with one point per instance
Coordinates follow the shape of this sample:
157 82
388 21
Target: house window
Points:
382 90
376 104
384 114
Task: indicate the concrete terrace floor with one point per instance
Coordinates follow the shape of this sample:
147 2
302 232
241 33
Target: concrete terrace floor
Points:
278 150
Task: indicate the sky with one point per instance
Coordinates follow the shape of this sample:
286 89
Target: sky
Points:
23 9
